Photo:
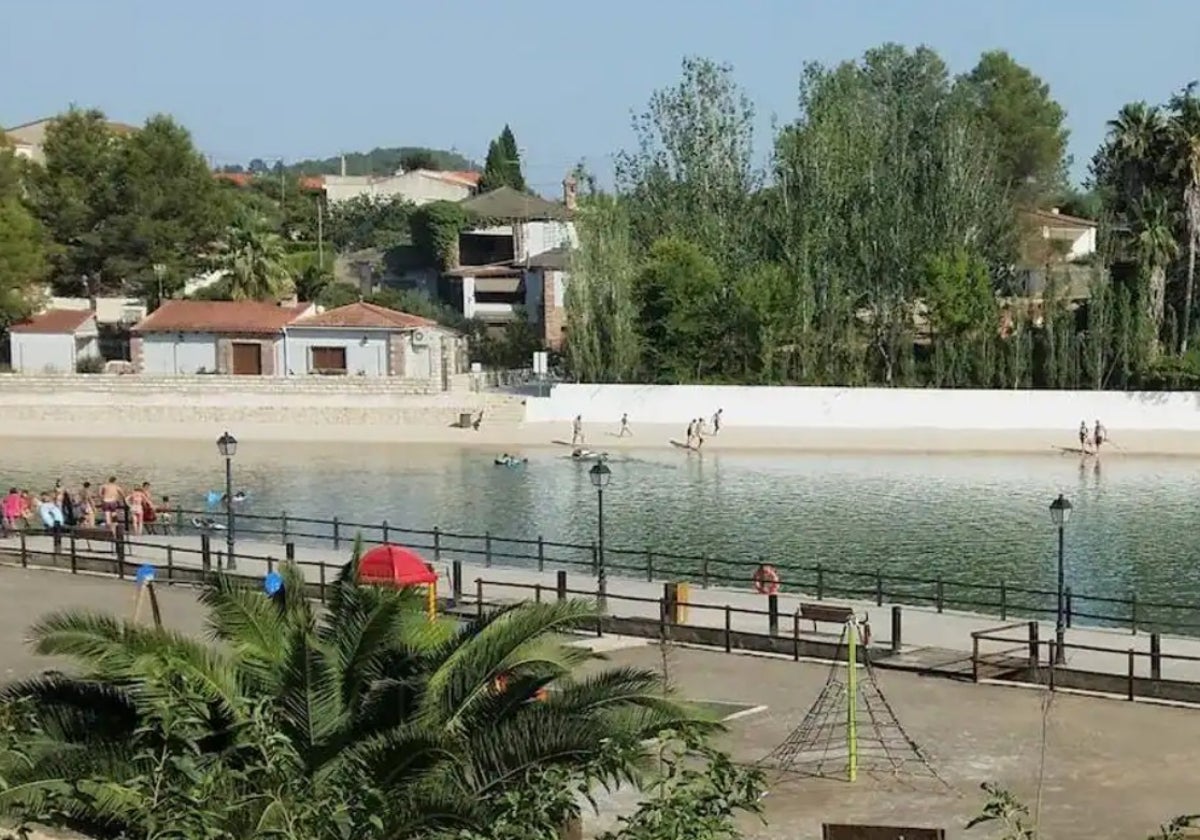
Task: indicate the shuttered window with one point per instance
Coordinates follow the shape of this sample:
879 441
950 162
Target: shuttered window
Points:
328 360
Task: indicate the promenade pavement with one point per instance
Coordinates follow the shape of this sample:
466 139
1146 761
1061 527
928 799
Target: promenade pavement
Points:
922 627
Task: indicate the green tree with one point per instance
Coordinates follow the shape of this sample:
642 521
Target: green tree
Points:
691 174
1016 109
74 195
603 344
22 243
961 304
680 300
22 260
502 168
1185 136
362 720
252 256
167 208
369 222
415 159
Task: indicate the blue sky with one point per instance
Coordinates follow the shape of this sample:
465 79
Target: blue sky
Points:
301 78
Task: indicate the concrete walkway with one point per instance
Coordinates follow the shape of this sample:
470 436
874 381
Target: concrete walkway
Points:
922 628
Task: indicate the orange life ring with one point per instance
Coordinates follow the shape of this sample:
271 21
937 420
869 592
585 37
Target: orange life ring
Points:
766 580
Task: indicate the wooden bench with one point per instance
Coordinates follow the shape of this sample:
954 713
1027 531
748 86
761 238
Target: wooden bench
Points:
825 613
98 533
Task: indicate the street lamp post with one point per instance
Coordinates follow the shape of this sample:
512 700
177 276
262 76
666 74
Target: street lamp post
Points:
227 446
600 475
1060 513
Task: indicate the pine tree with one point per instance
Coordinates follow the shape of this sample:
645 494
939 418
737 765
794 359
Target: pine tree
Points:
512 160
502 167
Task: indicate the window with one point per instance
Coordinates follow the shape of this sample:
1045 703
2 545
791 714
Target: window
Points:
328 361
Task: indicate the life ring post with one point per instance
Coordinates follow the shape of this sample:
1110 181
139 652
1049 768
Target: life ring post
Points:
766 579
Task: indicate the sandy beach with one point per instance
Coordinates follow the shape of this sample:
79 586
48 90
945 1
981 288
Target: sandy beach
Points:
511 436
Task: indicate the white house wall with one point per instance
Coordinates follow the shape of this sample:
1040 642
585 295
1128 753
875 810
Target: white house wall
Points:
366 350
41 353
170 354
540 237
411 186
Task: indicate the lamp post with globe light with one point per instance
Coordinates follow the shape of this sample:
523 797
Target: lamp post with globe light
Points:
1060 514
600 475
227 446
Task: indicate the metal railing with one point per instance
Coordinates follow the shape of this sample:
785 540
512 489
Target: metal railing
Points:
1118 669
818 581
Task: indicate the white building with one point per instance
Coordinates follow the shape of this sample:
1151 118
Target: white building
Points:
250 338
361 339
516 267
186 337
54 341
419 186
1062 238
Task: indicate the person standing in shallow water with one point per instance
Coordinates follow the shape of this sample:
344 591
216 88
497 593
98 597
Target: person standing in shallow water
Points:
112 499
1099 436
1083 435
625 431
716 420
577 430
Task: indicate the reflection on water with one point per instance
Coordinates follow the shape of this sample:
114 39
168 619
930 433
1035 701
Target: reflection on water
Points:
974 518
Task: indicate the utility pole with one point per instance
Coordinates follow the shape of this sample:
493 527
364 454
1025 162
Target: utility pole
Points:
321 230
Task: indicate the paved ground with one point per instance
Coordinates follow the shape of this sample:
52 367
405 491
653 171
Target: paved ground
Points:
922 627
1113 769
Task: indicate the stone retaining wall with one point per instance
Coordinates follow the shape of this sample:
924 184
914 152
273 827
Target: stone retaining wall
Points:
83 405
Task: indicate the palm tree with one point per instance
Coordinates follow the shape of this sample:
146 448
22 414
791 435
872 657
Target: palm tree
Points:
252 256
1185 130
1154 247
366 716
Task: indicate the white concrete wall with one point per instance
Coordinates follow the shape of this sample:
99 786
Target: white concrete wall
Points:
171 354
870 408
468 297
42 353
362 359
542 236
411 186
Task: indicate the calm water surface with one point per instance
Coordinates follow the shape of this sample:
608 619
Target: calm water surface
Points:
980 519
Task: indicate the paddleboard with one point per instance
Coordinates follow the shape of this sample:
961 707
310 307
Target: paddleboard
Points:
1073 450
679 445
562 443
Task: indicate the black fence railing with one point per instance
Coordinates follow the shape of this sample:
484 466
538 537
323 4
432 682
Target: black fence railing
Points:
818 581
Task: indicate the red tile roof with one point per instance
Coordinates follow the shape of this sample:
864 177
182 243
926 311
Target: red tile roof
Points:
226 317
242 179
470 179
364 316
54 322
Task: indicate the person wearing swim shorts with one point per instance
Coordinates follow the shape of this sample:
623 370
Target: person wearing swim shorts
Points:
112 499
1099 435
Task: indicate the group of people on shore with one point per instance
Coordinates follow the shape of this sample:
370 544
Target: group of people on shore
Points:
111 505
696 429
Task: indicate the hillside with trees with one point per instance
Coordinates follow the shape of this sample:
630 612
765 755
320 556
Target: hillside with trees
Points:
381 161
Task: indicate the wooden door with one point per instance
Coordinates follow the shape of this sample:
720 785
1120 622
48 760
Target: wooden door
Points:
247 359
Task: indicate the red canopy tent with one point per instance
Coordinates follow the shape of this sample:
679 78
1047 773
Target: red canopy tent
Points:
394 565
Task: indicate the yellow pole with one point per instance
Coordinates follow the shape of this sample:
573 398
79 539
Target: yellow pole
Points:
431 600
852 701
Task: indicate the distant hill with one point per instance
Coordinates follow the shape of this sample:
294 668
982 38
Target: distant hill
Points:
385 162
